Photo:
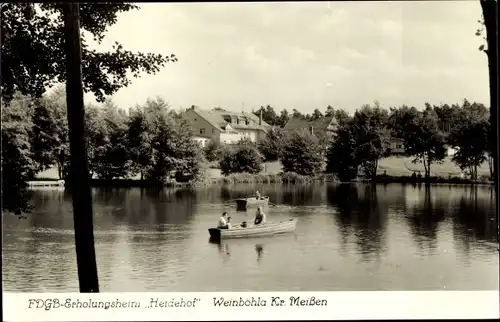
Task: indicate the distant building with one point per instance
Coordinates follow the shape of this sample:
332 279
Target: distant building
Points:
397 146
224 126
324 125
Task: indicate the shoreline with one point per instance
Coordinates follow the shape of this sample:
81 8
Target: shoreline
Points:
246 178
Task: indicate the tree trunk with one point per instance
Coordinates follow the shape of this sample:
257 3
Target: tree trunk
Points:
79 179
490 14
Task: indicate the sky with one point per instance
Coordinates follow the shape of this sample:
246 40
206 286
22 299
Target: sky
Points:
306 55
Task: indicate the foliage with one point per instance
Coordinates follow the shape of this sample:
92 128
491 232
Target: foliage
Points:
32 59
110 157
425 141
212 151
50 141
471 138
341 157
18 165
273 144
302 154
139 141
268 114
240 159
400 119
372 137
173 152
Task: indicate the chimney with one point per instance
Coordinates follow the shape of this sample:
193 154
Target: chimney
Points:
260 117
312 129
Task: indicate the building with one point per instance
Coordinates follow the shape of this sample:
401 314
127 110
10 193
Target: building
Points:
397 146
325 125
224 126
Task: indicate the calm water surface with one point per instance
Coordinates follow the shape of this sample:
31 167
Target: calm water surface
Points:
348 237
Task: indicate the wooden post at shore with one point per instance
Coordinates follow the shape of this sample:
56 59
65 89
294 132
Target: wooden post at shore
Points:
79 174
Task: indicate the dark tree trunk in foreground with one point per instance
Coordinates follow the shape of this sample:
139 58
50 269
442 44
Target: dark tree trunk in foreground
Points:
79 174
490 14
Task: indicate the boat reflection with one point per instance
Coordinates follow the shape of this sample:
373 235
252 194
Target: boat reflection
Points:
224 248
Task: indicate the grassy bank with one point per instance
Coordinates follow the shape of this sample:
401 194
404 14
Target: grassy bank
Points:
391 170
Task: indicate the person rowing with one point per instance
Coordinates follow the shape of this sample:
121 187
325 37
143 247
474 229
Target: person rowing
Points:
260 217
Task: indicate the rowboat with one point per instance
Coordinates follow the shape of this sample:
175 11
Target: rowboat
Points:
266 229
251 201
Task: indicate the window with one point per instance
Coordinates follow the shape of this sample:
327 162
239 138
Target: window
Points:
202 131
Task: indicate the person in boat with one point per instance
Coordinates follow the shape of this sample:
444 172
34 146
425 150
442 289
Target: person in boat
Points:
260 217
257 195
223 221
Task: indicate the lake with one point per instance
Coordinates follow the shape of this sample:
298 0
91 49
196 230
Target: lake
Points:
348 238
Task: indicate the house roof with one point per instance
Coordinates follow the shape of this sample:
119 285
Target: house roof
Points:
216 118
297 123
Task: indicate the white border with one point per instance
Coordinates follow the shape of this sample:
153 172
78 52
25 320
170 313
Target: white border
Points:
339 305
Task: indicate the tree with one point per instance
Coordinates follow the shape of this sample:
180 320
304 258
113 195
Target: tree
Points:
302 154
268 115
273 144
18 165
400 119
32 60
330 111
341 157
212 151
490 22
283 118
139 141
57 102
242 158
470 137
342 117
38 30
173 152
111 158
316 114
44 140
425 141
372 137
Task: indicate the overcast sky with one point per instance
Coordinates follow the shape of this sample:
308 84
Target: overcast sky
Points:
306 55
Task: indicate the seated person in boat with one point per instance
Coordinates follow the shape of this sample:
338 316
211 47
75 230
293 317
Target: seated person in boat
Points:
260 217
257 195
223 221
229 223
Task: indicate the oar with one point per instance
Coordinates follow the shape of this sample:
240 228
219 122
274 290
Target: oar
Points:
272 204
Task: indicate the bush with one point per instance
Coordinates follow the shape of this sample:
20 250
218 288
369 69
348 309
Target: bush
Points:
243 158
212 151
302 154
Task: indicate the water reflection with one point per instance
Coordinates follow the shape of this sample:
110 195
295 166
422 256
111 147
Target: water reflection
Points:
361 214
348 237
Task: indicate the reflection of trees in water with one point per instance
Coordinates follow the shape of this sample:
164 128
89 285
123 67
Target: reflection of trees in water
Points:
472 219
304 195
360 213
425 217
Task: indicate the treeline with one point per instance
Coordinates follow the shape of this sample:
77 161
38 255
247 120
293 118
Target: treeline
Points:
151 141
270 116
362 139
